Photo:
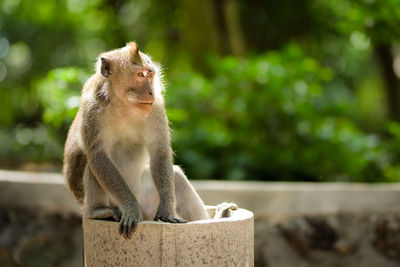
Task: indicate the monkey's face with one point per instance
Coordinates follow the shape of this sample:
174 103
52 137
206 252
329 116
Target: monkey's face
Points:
132 88
139 89
131 75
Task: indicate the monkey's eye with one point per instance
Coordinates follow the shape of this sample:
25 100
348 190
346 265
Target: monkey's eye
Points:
150 74
140 74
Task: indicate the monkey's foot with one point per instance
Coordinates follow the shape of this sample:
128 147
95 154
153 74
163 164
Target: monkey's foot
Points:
105 212
169 218
224 210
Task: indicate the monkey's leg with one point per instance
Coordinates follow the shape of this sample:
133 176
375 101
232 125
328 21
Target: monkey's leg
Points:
96 200
74 169
188 203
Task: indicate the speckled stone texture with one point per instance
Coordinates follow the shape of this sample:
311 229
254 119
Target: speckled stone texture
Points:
214 242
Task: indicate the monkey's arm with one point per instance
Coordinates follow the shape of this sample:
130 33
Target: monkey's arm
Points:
162 173
112 182
161 166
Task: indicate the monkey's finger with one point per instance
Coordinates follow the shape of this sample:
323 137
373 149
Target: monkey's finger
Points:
125 231
134 226
121 226
131 227
179 220
128 227
172 219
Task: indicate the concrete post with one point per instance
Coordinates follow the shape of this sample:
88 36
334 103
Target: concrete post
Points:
219 242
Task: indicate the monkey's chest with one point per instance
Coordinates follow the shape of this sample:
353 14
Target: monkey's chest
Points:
131 161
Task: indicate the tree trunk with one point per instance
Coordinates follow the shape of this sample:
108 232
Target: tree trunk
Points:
234 28
199 34
211 26
392 82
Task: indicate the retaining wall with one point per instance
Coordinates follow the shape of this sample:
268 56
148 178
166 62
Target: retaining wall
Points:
296 224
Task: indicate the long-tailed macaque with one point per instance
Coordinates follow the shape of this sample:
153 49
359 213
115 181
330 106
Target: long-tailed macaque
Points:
118 158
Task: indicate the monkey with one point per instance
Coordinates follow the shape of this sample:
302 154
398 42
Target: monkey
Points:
118 160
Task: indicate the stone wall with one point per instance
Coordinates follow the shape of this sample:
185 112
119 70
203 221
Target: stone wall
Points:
343 239
39 239
296 224
318 224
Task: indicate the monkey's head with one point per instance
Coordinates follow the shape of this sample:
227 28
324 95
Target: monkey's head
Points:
133 79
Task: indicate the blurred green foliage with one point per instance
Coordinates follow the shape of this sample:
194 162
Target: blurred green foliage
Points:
269 114
311 100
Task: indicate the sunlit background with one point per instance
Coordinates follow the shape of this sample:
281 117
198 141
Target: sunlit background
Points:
257 90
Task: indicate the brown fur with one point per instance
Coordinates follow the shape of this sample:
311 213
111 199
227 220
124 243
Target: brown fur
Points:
118 158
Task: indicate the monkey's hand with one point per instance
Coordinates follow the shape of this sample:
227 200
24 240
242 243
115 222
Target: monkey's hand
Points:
166 217
130 218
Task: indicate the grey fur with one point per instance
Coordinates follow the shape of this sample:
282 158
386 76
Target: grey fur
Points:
105 158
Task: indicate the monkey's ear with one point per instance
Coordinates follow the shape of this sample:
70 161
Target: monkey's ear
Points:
105 67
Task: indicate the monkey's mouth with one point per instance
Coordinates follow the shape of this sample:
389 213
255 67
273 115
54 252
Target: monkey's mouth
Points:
148 103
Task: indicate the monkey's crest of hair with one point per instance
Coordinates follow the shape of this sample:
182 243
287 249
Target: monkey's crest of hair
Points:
134 53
